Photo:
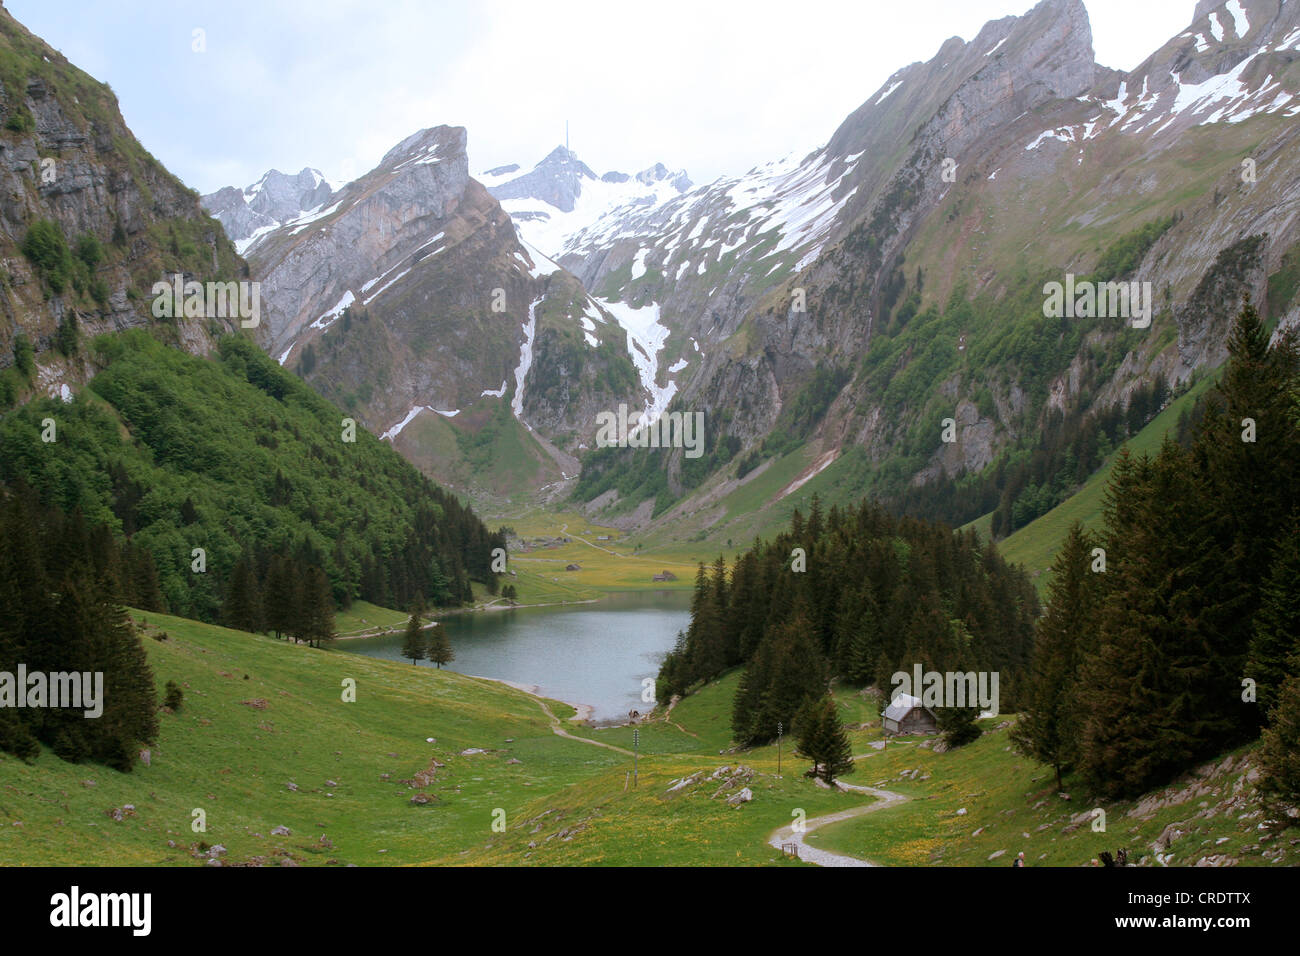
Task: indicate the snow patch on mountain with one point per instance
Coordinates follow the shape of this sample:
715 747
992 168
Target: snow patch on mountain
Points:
646 336
331 316
544 265
893 87
545 225
1065 134
1240 24
243 245
397 429
799 200
1216 29
386 286
638 263
307 218
525 361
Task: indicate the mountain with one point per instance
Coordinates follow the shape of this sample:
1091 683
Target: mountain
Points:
409 299
169 431
561 196
275 199
866 316
89 221
848 302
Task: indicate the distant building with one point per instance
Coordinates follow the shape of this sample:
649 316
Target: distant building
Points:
666 576
573 567
906 715
602 537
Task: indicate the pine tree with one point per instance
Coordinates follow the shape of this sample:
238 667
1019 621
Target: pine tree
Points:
130 696
317 608
278 597
1277 624
440 651
414 644
243 606
97 636
787 671
822 739
439 585
1280 753
957 724
1048 728
144 580
1152 695
709 624
1250 489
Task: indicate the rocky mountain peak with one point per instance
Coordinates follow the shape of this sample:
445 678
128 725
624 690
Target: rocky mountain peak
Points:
563 156
556 180
427 147
275 198
1013 65
659 173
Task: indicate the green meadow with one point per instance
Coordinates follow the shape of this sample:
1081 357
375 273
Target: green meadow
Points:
265 742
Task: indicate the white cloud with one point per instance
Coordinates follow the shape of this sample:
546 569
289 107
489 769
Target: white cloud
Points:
713 87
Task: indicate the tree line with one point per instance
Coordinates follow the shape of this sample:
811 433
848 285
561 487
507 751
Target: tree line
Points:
61 585
856 594
1173 632
238 457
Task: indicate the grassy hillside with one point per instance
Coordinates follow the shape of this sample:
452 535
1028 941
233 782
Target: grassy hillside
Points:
261 715
484 453
231 455
1035 545
1012 805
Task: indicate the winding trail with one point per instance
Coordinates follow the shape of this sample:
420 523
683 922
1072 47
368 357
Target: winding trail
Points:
668 717
560 731
556 727
812 854
564 529
783 835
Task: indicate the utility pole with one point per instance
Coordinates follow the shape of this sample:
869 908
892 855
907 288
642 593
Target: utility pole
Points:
779 728
636 746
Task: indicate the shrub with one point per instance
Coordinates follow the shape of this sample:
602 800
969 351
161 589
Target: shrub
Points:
23 354
173 696
45 246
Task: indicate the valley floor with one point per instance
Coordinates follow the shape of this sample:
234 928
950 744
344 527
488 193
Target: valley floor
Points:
265 762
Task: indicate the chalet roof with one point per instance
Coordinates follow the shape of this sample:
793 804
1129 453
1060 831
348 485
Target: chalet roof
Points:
901 706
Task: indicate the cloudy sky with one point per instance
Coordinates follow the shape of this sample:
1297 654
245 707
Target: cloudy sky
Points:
712 86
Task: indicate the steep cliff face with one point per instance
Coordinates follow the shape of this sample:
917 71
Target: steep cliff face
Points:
853 300
274 199
89 221
409 298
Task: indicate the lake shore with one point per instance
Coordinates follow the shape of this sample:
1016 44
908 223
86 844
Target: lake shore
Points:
381 632
584 711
